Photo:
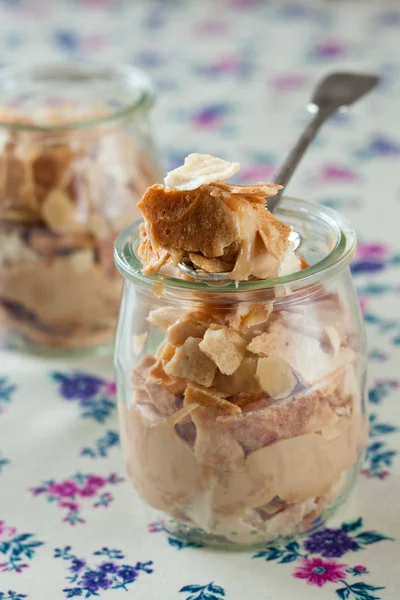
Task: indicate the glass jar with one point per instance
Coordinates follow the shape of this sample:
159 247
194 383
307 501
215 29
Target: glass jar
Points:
76 154
242 408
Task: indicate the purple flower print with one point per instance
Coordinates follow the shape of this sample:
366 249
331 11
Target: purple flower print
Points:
80 387
318 572
371 258
94 580
210 116
329 48
87 581
95 396
128 573
108 567
77 565
330 543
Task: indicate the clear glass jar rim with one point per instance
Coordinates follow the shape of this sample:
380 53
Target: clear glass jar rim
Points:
338 258
133 77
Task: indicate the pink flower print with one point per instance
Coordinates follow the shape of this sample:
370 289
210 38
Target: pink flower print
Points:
6 532
70 505
111 388
372 251
211 27
360 569
337 174
318 571
288 83
91 43
257 173
88 491
95 481
363 304
64 489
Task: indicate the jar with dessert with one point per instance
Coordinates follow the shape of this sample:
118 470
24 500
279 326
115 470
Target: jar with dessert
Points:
242 403
76 155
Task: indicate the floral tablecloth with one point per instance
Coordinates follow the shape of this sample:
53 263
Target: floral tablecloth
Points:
233 77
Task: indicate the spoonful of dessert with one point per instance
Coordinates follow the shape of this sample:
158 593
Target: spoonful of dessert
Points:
217 231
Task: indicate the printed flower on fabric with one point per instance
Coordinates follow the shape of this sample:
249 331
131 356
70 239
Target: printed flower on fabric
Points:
372 258
6 392
78 492
107 570
95 396
10 595
102 445
203 592
329 543
379 457
317 571
16 549
3 462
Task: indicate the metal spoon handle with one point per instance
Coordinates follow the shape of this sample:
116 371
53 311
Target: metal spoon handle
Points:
289 166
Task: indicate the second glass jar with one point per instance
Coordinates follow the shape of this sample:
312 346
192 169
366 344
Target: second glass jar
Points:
76 154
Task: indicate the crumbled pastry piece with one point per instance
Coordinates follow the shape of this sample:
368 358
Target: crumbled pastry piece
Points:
244 378
245 316
279 420
276 377
153 418
256 193
186 326
214 226
210 265
174 385
303 353
213 403
139 373
185 221
334 338
59 213
200 169
189 362
174 485
13 250
164 316
215 447
225 347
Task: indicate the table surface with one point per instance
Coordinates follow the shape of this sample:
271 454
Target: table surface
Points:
234 77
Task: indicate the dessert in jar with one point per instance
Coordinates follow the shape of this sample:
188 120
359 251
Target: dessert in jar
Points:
75 157
242 407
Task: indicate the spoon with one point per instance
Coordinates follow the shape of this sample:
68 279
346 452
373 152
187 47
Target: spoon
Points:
336 91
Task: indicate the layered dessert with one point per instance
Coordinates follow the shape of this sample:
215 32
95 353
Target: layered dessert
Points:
245 421
64 196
